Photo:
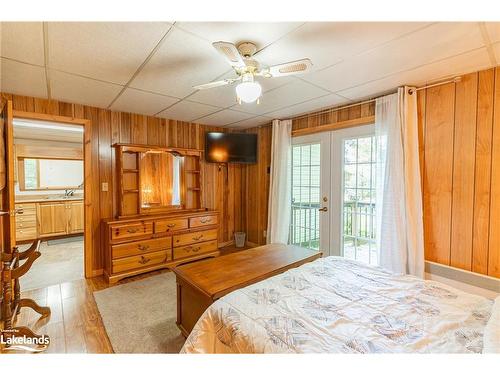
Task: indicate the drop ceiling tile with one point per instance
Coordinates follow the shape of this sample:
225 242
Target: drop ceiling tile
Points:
22 41
464 63
493 29
183 61
146 103
428 45
22 79
225 96
188 111
261 34
327 101
109 51
293 93
251 122
76 89
223 117
327 43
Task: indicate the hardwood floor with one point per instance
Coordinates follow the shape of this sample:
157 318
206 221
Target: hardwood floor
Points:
75 325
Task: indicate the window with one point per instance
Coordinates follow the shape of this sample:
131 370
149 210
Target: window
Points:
50 174
358 206
304 224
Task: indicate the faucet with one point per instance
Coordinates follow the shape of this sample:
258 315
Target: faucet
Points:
68 192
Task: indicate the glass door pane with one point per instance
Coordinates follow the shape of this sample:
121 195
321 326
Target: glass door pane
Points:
306 192
358 200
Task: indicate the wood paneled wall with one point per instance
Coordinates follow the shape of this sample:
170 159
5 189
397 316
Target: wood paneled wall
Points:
460 162
255 183
222 190
459 130
460 153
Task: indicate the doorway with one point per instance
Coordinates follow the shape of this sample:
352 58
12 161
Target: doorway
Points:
333 193
49 195
71 226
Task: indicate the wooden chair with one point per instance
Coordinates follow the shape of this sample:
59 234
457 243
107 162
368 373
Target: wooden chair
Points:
11 297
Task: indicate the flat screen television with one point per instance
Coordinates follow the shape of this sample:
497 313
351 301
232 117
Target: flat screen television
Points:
231 148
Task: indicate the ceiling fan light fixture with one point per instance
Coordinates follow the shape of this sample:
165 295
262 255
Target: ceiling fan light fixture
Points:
248 91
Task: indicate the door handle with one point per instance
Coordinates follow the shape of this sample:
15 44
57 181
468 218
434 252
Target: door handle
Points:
323 209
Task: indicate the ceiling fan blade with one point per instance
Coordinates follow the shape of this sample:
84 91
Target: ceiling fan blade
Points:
230 53
216 84
289 68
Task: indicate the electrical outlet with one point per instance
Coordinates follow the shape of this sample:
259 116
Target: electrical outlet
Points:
104 186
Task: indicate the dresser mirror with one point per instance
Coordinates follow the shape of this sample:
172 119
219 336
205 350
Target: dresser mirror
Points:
155 180
160 180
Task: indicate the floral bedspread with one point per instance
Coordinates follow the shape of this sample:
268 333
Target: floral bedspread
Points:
335 305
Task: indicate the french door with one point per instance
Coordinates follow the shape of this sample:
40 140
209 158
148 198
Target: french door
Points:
310 184
333 193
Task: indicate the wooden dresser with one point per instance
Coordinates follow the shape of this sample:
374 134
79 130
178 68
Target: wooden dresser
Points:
134 246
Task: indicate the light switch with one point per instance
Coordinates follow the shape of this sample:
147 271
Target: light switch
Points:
104 186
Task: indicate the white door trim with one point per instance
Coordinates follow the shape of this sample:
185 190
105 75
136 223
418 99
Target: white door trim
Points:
337 157
324 140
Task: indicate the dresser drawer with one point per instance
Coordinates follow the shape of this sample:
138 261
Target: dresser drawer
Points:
131 230
25 234
201 221
190 238
169 225
140 261
141 247
195 249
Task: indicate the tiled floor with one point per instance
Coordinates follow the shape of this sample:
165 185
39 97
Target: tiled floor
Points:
61 261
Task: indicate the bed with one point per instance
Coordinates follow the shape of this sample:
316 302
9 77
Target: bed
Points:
336 305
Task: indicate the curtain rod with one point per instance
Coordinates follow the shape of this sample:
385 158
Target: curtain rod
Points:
454 80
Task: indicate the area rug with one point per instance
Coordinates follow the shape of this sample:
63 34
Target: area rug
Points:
139 317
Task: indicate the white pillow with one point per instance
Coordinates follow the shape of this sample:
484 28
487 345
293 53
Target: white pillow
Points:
491 338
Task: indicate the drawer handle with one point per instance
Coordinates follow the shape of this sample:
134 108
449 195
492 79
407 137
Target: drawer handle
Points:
132 230
198 238
205 220
195 249
143 247
144 260
171 225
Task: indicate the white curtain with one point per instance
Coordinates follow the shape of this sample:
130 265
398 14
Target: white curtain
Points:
400 238
278 219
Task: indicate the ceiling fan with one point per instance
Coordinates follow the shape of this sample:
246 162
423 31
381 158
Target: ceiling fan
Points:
247 68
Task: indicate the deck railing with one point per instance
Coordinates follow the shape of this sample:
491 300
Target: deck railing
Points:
358 222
